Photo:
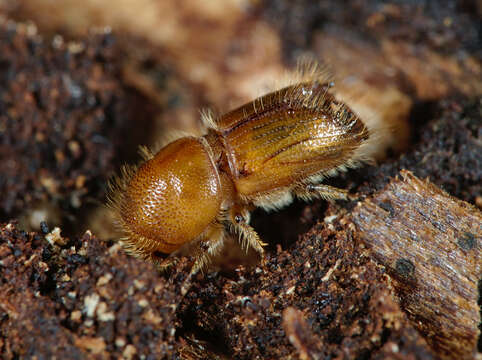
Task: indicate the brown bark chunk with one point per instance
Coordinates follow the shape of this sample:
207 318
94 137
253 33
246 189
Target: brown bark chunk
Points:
431 245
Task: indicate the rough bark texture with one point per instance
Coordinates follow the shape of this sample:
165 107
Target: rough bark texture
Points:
430 243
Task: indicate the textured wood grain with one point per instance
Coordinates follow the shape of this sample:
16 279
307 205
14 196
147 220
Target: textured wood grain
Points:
431 245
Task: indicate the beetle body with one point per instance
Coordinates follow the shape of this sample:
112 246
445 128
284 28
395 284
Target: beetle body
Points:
196 189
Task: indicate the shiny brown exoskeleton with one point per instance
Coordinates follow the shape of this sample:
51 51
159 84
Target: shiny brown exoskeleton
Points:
196 189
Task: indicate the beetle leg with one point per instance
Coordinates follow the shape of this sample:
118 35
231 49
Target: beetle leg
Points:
320 191
210 246
239 220
163 264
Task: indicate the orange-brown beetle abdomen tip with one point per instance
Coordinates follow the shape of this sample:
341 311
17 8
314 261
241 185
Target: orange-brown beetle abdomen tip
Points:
170 199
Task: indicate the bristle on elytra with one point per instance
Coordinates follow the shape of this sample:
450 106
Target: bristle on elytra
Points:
388 130
381 132
208 118
308 73
307 70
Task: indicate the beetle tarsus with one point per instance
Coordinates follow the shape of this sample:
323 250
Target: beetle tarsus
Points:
320 191
164 265
249 237
213 245
239 222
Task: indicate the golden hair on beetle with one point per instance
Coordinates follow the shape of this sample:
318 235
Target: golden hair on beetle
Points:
196 189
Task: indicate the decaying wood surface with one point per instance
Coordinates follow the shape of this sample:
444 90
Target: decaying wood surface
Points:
431 245
300 335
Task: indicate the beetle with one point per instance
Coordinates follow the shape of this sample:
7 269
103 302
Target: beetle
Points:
198 189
